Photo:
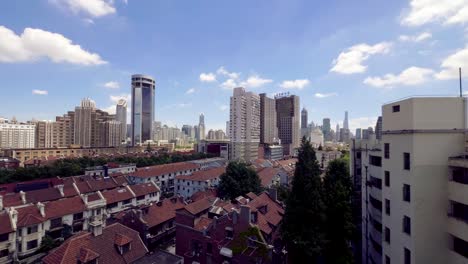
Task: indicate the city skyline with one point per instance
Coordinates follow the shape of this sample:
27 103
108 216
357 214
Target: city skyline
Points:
101 65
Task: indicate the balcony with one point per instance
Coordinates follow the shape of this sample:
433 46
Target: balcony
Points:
459 161
457 192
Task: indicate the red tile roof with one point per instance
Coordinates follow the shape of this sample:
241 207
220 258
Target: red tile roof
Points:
5 226
201 205
163 211
117 195
102 245
202 223
64 207
121 240
267 175
144 188
203 175
29 215
251 195
12 199
43 195
272 216
87 255
163 169
202 194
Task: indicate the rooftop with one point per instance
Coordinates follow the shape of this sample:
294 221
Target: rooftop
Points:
158 170
203 175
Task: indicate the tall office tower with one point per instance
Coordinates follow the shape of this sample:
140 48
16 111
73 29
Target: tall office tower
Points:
344 135
201 127
110 133
304 118
420 184
64 130
268 127
227 129
44 135
358 133
326 129
16 135
345 122
287 112
121 116
143 90
244 120
83 122
197 132
338 133
378 128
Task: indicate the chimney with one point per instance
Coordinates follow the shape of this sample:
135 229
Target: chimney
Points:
23 197
245 214
14 217
85 198
273 194
60 188
97 230
1 203
41 208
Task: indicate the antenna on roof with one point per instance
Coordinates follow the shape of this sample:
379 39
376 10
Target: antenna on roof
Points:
460 77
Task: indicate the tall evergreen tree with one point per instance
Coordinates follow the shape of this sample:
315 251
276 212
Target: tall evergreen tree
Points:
303 221
337 187
239 179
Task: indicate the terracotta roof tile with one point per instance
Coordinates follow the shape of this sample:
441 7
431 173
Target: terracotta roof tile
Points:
144 188
203 175
43 195
87 255
272 216
12 199
202 223
201 205
29 215
5 226
158 170
117 195
121 240
202 194
163 211
64 207
267 175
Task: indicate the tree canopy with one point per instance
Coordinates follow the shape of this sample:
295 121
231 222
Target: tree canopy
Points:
239 179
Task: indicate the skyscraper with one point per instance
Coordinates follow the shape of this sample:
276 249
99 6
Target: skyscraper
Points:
268 127
83 122
358 133
326 129
338 133
345 122
378 128
44 134
304 118
244 116
121 116
287 113
143 90
201 127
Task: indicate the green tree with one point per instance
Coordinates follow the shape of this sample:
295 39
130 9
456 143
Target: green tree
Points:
337 187
48 243
239 179
303 221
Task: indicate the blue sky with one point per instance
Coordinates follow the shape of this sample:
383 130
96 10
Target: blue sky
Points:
336 55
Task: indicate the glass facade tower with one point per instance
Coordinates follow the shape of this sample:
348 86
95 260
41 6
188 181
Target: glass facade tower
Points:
143 89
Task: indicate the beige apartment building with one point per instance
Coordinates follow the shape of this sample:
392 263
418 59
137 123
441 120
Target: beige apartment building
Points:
424 179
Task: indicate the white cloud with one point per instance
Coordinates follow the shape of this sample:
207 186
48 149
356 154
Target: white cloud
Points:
255 81
427 11
351 60
93 8
115 98
207 77
34 44
417 38
224 72
362 122
190 91
325 95
229 84
410 76
112 85
451 64
88 21
295 84
223 107
40 92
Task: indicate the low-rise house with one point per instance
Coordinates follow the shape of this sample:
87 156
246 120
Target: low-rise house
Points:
163 175
269 176
7 238
129 196
154 222
228 233
115 244
110 169
210 163
200 180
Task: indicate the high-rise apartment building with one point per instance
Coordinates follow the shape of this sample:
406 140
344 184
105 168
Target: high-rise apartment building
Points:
304 118
201 128
143 91
121 116
44 135
288 119
188 131
378 128
16 135
227 129
83 122
268 119
244 125
326 129
415 182
110 133
64 130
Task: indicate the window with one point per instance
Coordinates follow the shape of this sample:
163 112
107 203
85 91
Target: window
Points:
460 175
141 197
407 256
31 244
387 206
126 201
77 216
375 203
32 229
375 161
57 222
460 246
112 205
387 235
459 211
4 237
396 108
387 178
387 150
407 225
406 193
387 259
4 253
229 232
376 182
376 224
406 161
